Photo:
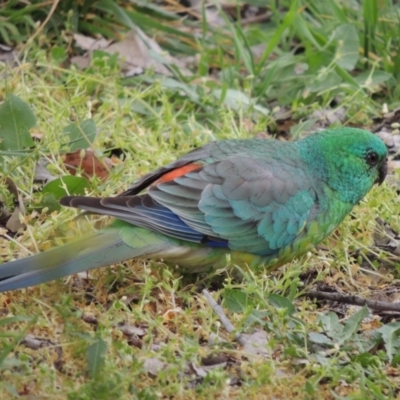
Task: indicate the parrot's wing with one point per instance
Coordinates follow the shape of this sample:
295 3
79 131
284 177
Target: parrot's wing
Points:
189 161
255 205
241 203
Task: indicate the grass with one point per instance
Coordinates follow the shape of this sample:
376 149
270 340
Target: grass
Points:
143 331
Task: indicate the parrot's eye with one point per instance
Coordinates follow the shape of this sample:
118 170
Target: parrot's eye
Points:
372 158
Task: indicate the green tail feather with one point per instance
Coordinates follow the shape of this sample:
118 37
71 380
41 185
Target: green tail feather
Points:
104 248
119 242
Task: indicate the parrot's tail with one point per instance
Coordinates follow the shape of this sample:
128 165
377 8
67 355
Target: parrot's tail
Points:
103 248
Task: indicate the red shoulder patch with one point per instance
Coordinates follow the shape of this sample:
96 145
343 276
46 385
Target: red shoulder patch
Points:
176 173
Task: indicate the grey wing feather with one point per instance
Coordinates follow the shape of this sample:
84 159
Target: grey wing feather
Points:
256 205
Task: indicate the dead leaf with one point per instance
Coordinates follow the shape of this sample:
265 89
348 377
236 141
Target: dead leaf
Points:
212 15
214 339
137 52
153 366
12 223
327 117
90 319
392 140
86 161
386 120
392 371
89 44
258 50
131 330
81 61
255 343
36 343
8 55
214 360
12 187
199 371
42 174
386 238
202 371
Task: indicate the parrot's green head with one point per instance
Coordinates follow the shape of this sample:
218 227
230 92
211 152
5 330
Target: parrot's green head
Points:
349 160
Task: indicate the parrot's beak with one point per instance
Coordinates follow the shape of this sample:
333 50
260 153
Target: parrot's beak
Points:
382 171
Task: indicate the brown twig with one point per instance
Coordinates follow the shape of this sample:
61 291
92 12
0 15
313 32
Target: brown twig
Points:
355 300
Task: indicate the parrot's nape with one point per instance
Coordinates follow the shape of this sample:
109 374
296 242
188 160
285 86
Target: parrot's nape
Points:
260 201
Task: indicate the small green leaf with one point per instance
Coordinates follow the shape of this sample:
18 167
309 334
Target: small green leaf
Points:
347 49
58 54
235 300
50 201
281 302
319 338
95 356
309 388
332 327
396 360
296 131
67 185
371 79
326 79
322 359
188 90
390 335
80 136
367 360
17 318
104 60
256 317
352 325
237 100
16 119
